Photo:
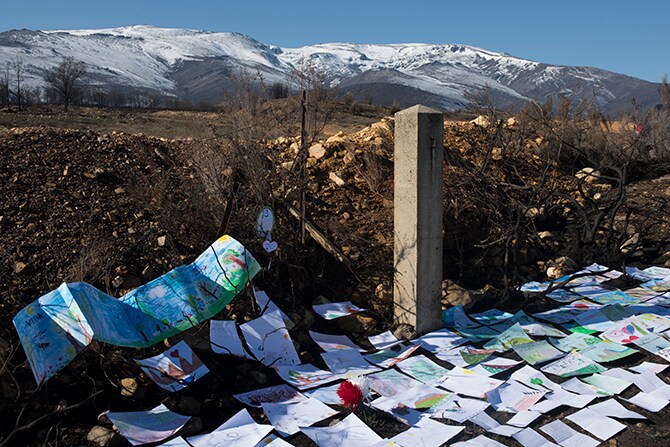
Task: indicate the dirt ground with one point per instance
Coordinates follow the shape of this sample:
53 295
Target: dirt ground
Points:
87 195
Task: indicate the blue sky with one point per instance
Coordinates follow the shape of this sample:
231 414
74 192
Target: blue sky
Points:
626 37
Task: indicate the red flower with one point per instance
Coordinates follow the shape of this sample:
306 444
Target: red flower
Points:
350 394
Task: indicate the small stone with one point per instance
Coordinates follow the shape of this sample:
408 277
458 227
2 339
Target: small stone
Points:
404 331
19 267
117 282
103 437
496 153
456 295
545 235
161 241
339 181
630 244
129 387
481 121
336 140
589 175
119 190
317 151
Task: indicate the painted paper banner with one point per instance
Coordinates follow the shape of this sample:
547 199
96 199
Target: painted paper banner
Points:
57 326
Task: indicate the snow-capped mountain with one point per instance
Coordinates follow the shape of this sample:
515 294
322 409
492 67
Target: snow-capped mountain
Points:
200 65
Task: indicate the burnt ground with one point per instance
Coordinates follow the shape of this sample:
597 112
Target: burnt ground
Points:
91 205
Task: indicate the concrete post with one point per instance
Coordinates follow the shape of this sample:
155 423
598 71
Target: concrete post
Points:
417 255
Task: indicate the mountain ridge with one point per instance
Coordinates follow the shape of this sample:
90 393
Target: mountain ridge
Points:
197 65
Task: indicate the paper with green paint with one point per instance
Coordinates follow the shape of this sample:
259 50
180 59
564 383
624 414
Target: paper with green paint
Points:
57 326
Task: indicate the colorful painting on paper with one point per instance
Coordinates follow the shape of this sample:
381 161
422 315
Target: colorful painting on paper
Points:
331 311
143 427
57 326
174 369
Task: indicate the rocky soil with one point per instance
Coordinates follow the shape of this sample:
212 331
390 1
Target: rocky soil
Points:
117 210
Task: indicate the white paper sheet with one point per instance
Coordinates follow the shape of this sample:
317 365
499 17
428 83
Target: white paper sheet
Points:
175 368
646 382
479 441
440 341
176 442
241 436
225 340
329 342
537 352
239 431
330 311
392 355
350 432
610 384
491 316
468 383
573 364
494 365
399 411
288 418
427 433
651 367
390 382
491 425
277 393
513 397
461 409
575 385
325 394
566 436
530 438
612 408
533 378
513 336
273 442
383 340
648 401
524 418
269 340
602 427
143 427
347 363
267 306
576 340
453 356
424 397
422 368
305 376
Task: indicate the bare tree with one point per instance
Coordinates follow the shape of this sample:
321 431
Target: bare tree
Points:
18 92
664 90
65 80
4 86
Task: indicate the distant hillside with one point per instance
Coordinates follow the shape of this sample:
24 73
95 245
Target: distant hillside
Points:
198 66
